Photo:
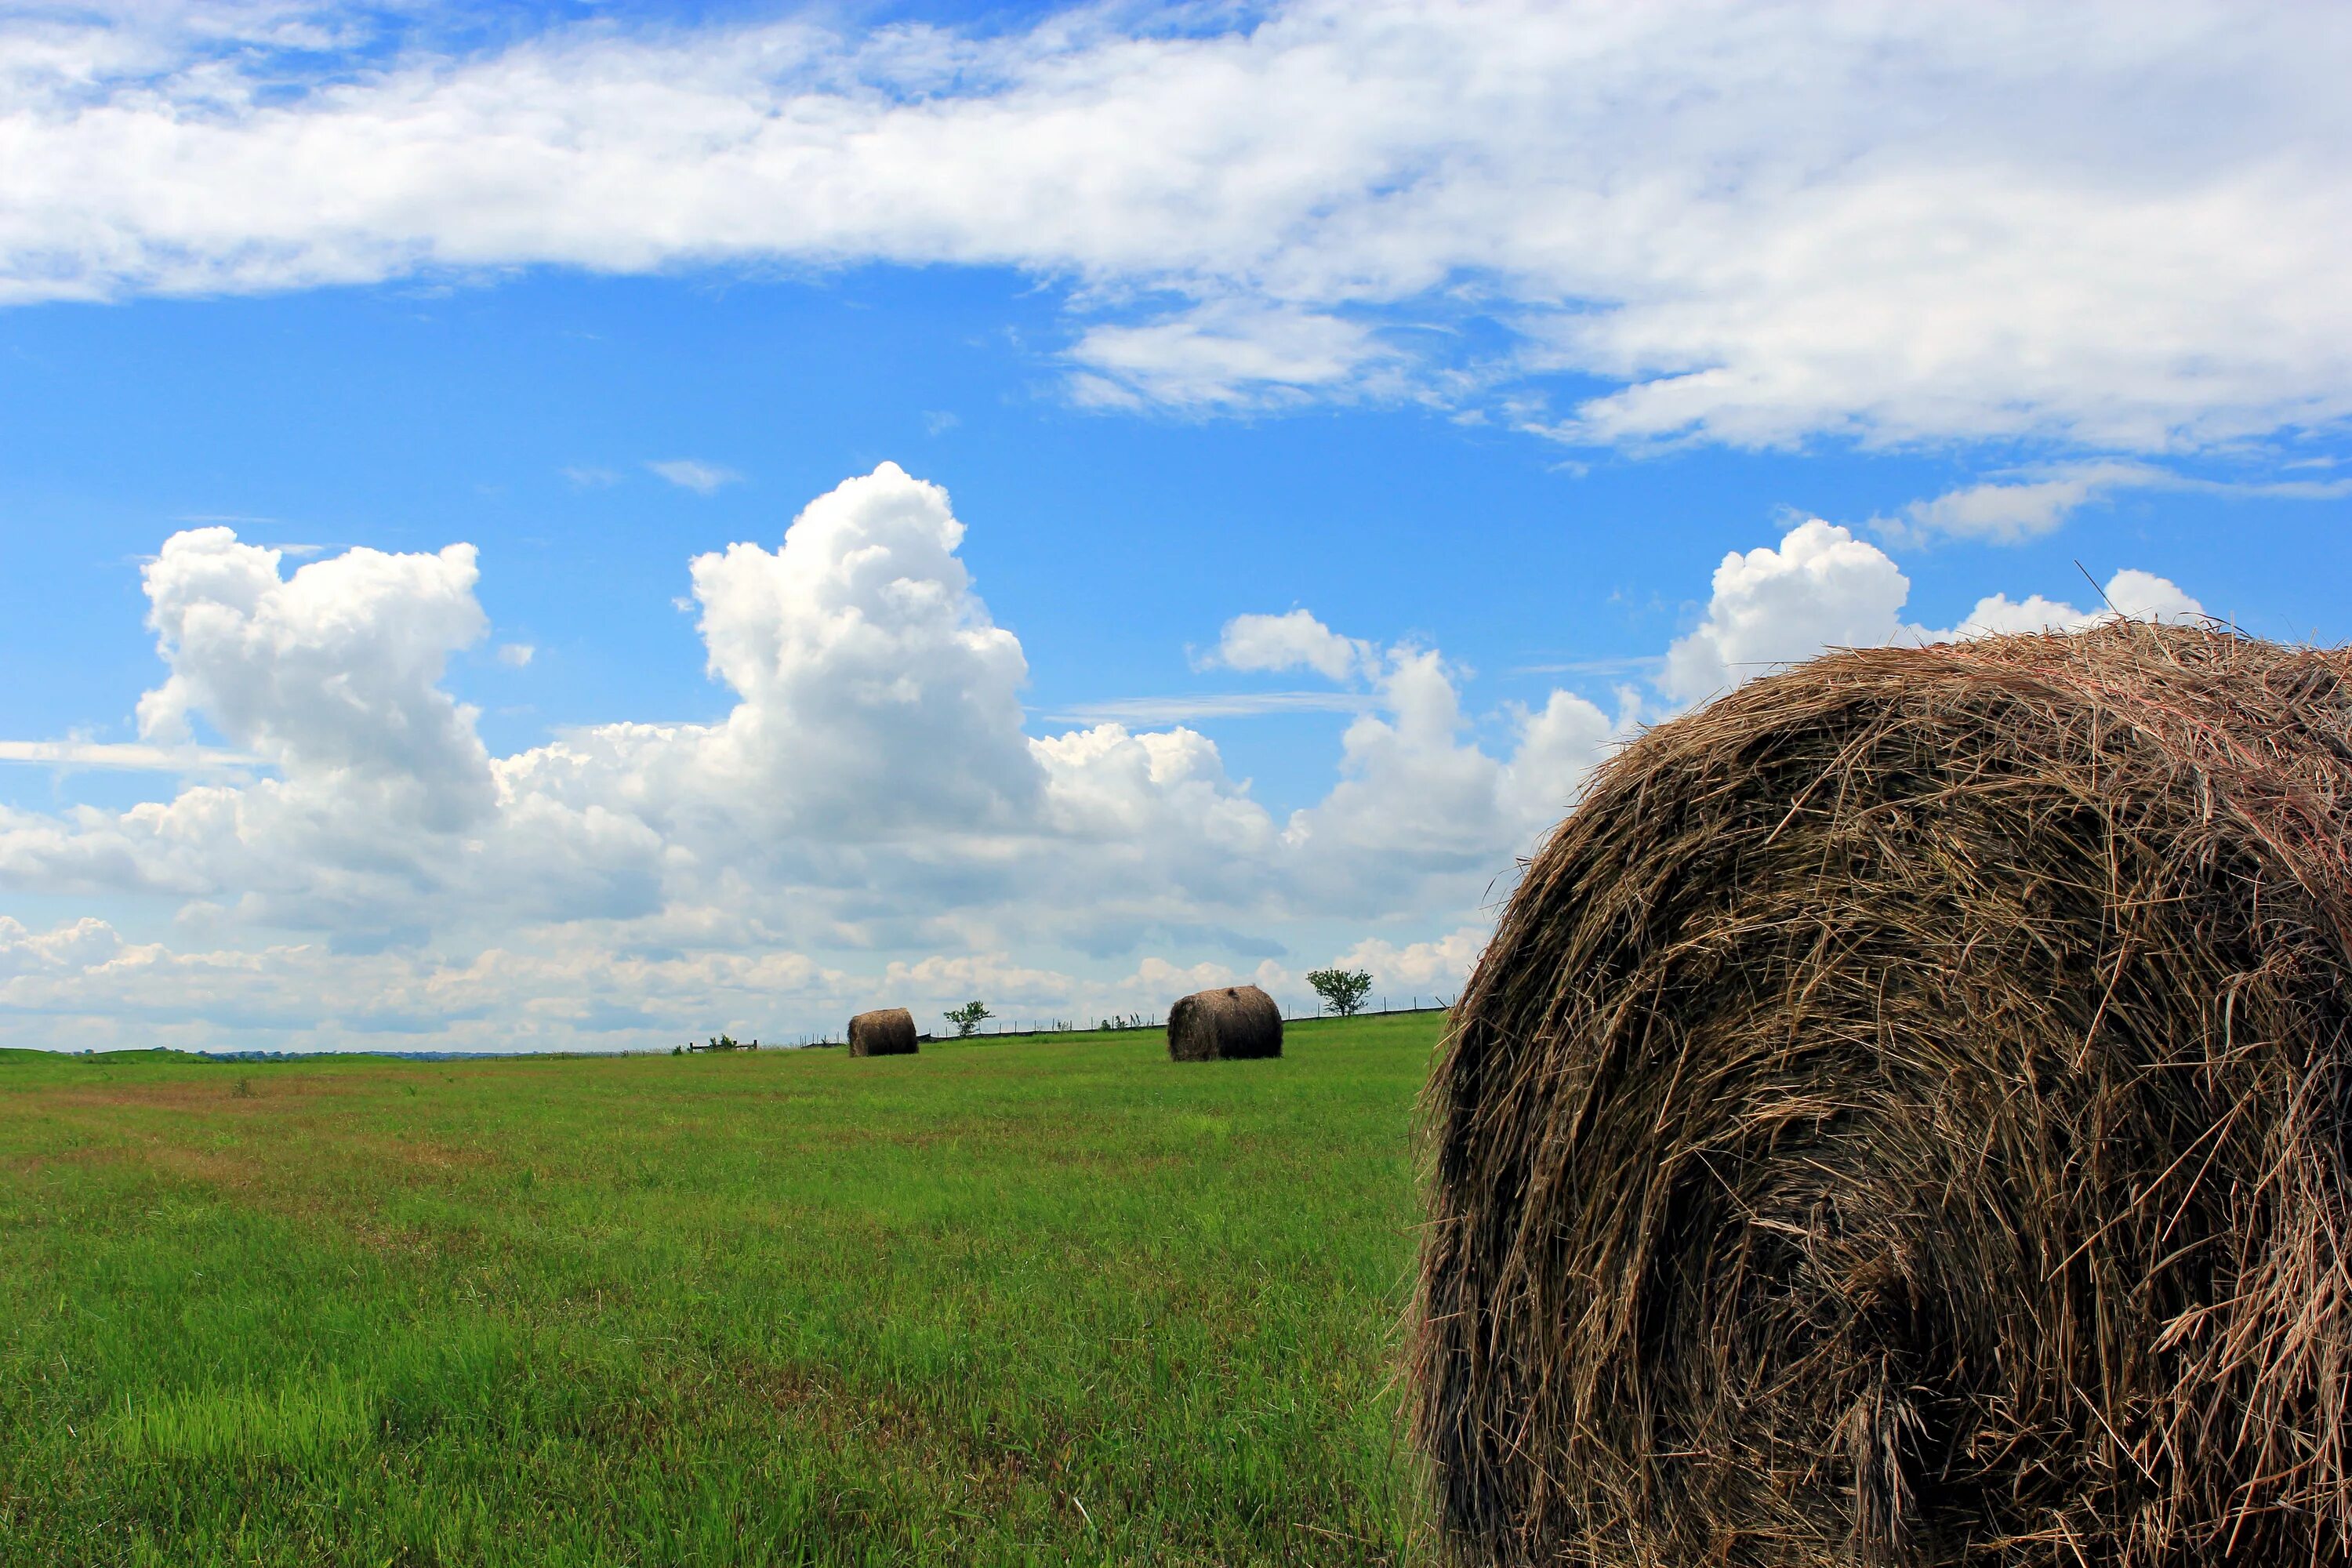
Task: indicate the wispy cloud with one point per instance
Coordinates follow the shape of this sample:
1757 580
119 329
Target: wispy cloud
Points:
516 655
123 756
299 550
693 474
2035 502
1645 663
1228 356
587 477
1208 705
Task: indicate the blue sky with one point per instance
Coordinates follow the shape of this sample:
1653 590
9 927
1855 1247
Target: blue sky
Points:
1318 435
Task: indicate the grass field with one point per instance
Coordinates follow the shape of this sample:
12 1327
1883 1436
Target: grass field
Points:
1049 1299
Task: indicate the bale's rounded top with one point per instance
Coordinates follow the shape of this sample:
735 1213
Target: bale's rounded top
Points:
2267 727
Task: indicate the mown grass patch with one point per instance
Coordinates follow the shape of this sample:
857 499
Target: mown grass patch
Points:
1049 1299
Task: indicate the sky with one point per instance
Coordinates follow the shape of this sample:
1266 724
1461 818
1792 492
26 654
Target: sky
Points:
580 526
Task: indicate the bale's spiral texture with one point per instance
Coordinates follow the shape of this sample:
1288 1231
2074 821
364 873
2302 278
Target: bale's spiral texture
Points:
883 1032
1900 1120
1224 1024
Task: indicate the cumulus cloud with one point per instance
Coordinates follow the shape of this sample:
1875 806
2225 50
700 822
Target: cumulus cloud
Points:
870 819
2115 225
1822 588
874 690
1429 968
1295 640
871 788
1419 802
75 946
2139 595
333 674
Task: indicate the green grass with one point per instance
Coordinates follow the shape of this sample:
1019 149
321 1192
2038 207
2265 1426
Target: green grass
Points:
1033 1301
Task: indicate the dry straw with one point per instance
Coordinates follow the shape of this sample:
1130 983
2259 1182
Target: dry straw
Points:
883 1032
1226 1023
1900 1120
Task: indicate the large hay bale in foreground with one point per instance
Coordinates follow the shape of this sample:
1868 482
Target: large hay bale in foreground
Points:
883 1032
1901 1118
1227 1024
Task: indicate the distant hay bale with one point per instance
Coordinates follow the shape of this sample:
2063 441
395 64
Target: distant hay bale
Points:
885 1031
1901 1118
1225 1024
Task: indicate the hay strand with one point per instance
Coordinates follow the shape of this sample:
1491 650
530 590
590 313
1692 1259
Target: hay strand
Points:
1900 1120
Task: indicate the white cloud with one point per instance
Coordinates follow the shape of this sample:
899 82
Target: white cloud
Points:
1150 795
692 474
82 945
870 819
516 655
1295 640
1823 588
874 764
1418 802
873 687
127 757
332 674
2138 595
2145 596
1224 355
2115 225
1429 968
1176 709
2008 511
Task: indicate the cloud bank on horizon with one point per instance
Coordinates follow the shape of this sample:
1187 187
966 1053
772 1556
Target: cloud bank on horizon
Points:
1617 226
871 817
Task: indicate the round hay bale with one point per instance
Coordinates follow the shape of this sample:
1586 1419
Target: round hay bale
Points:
1227 1024
883 1032
1900 1119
